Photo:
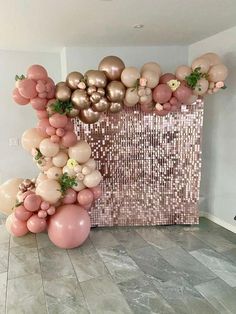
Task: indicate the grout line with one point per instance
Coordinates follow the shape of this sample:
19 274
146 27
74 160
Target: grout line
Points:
8 261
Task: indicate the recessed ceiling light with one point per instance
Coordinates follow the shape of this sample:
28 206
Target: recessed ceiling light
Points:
138 26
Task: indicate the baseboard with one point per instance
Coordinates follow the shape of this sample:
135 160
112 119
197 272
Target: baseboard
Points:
218 221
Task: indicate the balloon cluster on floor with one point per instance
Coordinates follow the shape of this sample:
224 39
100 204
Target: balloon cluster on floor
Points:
60 198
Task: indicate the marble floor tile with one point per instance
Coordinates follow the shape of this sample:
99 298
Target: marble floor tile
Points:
4 257
64 295
130 239
23 261
102 238
121 266
25 295
183 297
219 294
155 237
143 297
87 266
4 235
43 240
103 296
28 240
231 254
86 249
191 269
3 290
55 263
218 264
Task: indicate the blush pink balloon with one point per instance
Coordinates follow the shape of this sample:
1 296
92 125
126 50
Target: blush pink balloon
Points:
38 103
44 205
18 227
42 114
37 72
58 120
173 101
42 126
88 207
69 227
50 130
51 210
182 93
161 113
42 95
55 139
60 132
166 78
69 139
42 214
22 213
97 191
26 194
147 108
70 197
20 100
85 197
32 202
69 126
36 224
27 88
167 106
162 93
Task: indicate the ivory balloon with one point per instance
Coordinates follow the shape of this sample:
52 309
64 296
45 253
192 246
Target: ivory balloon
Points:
81 152
49 190
89 116
151 66
63 92
8 223
131 97
41 177
73 79
212 58
201 87
217 73
91 163
112 66
31 139
80 99
116 91
93 179
96 78
102 105
70 171
151 77
8 192
201 63
48 148
115 107
60 159
182 71
79 187
54 173
129 76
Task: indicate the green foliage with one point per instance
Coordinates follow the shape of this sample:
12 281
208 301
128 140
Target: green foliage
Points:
39 155
18 204
66 182
19 78
193 78
62 107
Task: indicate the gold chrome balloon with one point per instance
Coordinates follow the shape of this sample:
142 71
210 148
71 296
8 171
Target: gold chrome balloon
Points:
63 92
91 89
116 91
95 97
96 78
102 105
80 99
115 107
73 113
89 116
112 66
73 79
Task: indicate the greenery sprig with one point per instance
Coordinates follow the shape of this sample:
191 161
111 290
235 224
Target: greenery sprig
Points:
193 78
38 157
66 182
19 78
62 107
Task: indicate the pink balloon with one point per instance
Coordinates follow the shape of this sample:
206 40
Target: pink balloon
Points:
27 88
85 197
69 139
42 114
55 139
167 106
58 120
42 214
69 126
60 132
36 224
50 130
26 194
162 93
37 72
97 191
22 213
70 197
173 101
88 207
182 93
18 227
42 126
20 100
69 227
32 202
38 103
147 108
44 205
166 78
161 113
51 210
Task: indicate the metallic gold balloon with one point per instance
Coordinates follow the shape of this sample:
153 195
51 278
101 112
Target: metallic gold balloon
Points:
91 89
115 107
89 116
95 97
73 79
101 91
116 91
60 84
73 113
80 99
112 66
63 92
96 78
102 105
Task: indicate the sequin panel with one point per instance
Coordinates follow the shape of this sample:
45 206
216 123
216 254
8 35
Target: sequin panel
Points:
150 165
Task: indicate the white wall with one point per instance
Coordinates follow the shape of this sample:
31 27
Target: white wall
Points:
15 119
218 185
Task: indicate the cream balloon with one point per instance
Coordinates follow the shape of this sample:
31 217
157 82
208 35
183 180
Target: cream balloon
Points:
81 152
31 139
41 177
60 159
129 76
212 58
91 163
54 173
9 223
93 179
45 166
201 63
8 192
70 171
201 87
182 71
79 187
217 73
131 97
151 66
48 148
49 190
151 77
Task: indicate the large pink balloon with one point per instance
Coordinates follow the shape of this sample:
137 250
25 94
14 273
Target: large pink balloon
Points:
36 224
20 100
42 126
32 202
58 120
38 103
162 93
70 197
27 88
37 72
22 214
183 93
18 227
69 227
166 78
85 197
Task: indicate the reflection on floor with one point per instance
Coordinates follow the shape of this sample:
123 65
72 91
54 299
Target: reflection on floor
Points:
171 269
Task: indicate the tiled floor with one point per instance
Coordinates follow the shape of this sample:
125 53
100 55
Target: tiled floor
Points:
173 269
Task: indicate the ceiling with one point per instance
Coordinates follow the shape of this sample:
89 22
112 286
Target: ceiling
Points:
52 24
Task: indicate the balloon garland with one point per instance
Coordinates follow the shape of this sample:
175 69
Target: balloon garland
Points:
60 198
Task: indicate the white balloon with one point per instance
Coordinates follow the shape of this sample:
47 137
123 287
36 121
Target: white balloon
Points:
93 179
81 152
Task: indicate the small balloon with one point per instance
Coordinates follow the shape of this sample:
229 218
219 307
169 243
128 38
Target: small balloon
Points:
217 73
58 120
27 88
18 227
182 71
102 105
69 139
131 97
37 72
85 197
32 202
116 91
80 99
166 78
115 107
63 92
36 224
20 100
73 79
162 93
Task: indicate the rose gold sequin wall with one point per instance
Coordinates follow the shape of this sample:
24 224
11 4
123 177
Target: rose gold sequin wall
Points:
150 165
